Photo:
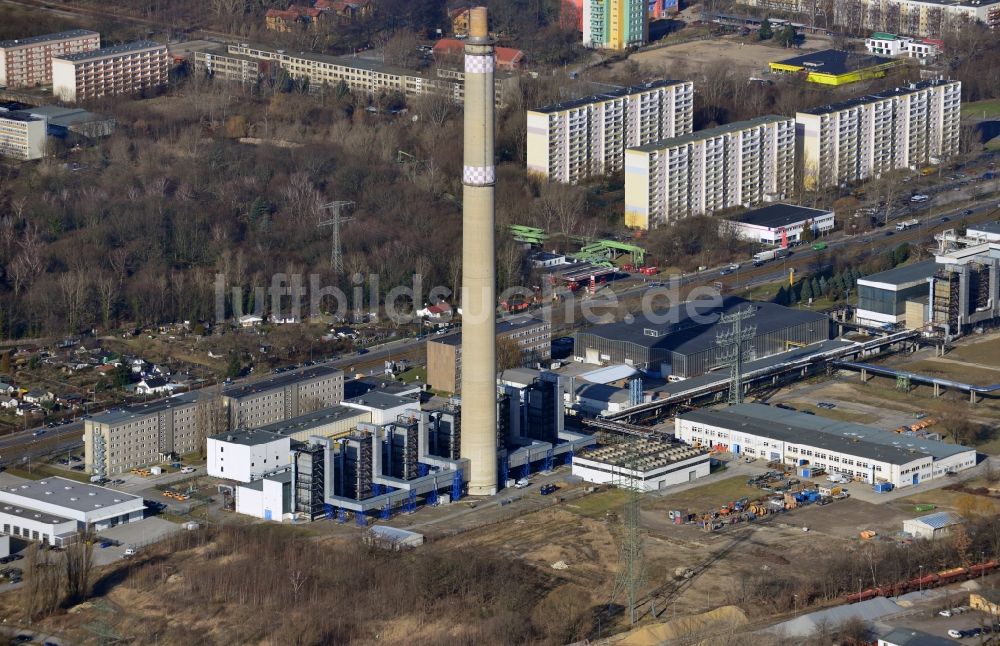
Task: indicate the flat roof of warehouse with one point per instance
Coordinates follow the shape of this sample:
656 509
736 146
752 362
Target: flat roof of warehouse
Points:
604 96
851 433
913 273
691 327
312 420
280 381
778 215
383 401
834 61
78 496
734 419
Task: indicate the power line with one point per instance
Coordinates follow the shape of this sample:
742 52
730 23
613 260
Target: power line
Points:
734 348
334 222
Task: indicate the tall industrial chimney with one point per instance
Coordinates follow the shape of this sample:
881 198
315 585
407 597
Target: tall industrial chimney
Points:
479 391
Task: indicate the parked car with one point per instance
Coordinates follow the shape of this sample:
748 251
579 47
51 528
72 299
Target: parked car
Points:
188 470
547 489
106 544
522 483
826 405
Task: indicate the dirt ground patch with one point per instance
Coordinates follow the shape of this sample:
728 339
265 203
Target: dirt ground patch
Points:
746 54
985 352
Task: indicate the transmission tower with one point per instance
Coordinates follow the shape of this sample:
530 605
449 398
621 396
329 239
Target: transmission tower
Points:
734 348
631 573
334 221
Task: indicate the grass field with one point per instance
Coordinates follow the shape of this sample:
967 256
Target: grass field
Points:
957 371
599 504
990 108
985 352
418 373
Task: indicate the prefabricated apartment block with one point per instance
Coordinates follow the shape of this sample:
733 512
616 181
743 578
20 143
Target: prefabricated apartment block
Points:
906 127
282 397
575 139
27 62
122 69
738 164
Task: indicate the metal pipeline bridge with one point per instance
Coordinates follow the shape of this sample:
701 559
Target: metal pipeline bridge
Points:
591 250
801 360
936 382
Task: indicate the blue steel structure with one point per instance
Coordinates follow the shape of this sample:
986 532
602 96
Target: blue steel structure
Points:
410 505
504 470
422 469
635 391
360 519
341 515
386 510
456 486
432 497
328 510
568 457
548 461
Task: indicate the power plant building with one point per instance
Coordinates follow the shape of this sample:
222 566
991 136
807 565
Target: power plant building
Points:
122 69
615 24
643 464
572 140
906 127
27 62
680 343
738 164
883 297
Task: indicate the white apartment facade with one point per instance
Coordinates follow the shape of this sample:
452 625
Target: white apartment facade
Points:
245 456
123 69
742 163
27 62
22 136
923 49
906 127
569 141
283 397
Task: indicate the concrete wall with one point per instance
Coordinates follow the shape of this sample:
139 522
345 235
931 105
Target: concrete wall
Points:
243 463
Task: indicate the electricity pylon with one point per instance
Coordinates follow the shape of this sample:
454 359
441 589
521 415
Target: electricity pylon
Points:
334 222
631 571
734 348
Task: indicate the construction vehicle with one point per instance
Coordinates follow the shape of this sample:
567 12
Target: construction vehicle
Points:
907 224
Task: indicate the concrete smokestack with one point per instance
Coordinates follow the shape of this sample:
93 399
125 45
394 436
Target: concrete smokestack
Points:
479 391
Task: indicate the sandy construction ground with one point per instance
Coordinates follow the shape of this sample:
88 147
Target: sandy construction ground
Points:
746 54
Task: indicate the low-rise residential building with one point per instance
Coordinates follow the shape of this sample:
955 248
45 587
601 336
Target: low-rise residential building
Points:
283 397
922 49
906 127
862 453
326 73
452 51
444 352
27 62
912 637
285 20
22 136
777 223
122 69
739 164
573 140
247 455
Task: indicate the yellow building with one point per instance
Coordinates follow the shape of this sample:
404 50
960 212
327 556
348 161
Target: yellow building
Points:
615 24
835 67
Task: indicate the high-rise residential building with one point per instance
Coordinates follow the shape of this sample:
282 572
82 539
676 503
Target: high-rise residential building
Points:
905 127
137 436
575 139
22 136
738 164
27 62
283 397
122 69
615 24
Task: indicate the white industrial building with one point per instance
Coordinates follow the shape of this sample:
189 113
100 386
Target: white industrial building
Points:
931 526
771 224
883 297
248 455
644 464
862 453
268 498
383 407
54 510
